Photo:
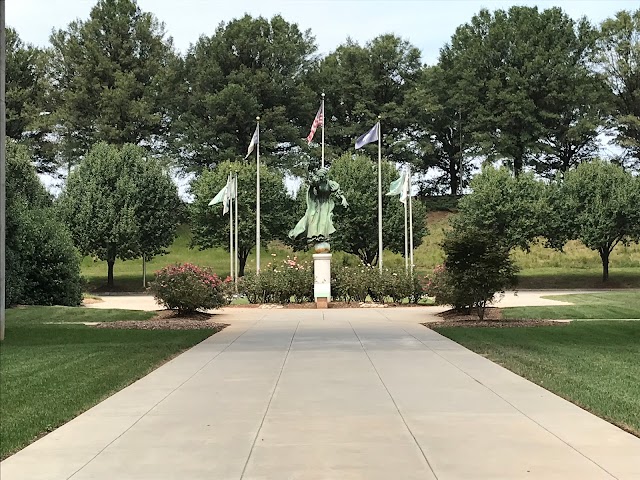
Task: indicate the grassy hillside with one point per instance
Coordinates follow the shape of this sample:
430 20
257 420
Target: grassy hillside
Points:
576 267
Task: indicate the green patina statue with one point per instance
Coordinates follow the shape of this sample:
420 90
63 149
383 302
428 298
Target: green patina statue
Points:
317 223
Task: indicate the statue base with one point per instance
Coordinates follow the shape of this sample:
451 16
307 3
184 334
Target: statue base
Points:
322 279
322 247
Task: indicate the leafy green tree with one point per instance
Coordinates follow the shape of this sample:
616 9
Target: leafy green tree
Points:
211 228
523 81
249 67
29 100
597 203
513 209
112 74
441 136
362 82
121 204
619 55
43 266
357 226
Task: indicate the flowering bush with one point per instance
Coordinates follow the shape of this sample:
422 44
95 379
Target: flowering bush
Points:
282 282
438 284
292 281
188 288
365 282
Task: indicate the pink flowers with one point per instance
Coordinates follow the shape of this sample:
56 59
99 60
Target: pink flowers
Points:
187 287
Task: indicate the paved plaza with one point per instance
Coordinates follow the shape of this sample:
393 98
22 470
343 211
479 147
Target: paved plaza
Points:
336 394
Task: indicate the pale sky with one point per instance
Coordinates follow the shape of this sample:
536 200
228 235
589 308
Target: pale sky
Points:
428 24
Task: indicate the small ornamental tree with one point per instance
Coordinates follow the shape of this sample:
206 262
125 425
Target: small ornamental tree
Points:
598 203
512 209
120 204
211 228
477 266
357 226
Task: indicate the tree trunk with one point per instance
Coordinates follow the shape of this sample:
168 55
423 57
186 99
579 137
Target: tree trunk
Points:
242 261
604 255
110 273
517 165
481 307
368 258
453 176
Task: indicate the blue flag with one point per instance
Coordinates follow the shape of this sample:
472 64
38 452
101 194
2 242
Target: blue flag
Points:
369 137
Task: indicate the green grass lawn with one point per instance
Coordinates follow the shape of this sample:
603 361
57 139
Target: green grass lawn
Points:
602 306
50 373
595 364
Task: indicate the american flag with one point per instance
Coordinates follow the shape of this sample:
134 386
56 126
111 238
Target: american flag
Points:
319 120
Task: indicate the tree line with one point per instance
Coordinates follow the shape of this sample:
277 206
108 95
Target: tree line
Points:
531 88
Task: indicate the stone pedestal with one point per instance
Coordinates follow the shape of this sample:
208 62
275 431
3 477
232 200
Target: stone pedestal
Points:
322 279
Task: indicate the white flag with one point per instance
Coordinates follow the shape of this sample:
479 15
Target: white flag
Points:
401 186
254 141
224 195
406 188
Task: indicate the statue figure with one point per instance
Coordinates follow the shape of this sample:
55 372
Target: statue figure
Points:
317 224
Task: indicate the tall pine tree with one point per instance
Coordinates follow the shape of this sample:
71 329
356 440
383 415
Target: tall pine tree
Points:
112 74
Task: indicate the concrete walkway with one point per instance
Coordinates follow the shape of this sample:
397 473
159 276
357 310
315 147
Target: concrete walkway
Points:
336 394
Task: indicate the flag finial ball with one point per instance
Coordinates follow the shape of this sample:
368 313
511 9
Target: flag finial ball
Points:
322 94
379 117
258 119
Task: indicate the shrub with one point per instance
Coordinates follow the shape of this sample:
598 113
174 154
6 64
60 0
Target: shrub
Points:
438 284
360 283
188 288
284 282
290 281
476 268
50 262
43 266
351 284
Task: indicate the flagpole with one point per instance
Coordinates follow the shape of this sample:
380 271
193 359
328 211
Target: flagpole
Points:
323 118
3 161
235 193
410 225
406 235
258 196
231 268
379 194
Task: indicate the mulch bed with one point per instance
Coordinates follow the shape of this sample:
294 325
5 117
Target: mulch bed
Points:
492 319
169 320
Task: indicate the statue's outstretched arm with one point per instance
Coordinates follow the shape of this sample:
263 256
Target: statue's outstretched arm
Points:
337 191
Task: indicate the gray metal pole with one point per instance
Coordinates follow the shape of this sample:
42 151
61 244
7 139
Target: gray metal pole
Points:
461 156
379 195
410 225
323 116
258 197
406 237
3 153
231 269
235 184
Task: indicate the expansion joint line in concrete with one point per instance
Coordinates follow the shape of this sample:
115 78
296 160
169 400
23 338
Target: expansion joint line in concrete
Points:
502 398
266 411
165 397
424 455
